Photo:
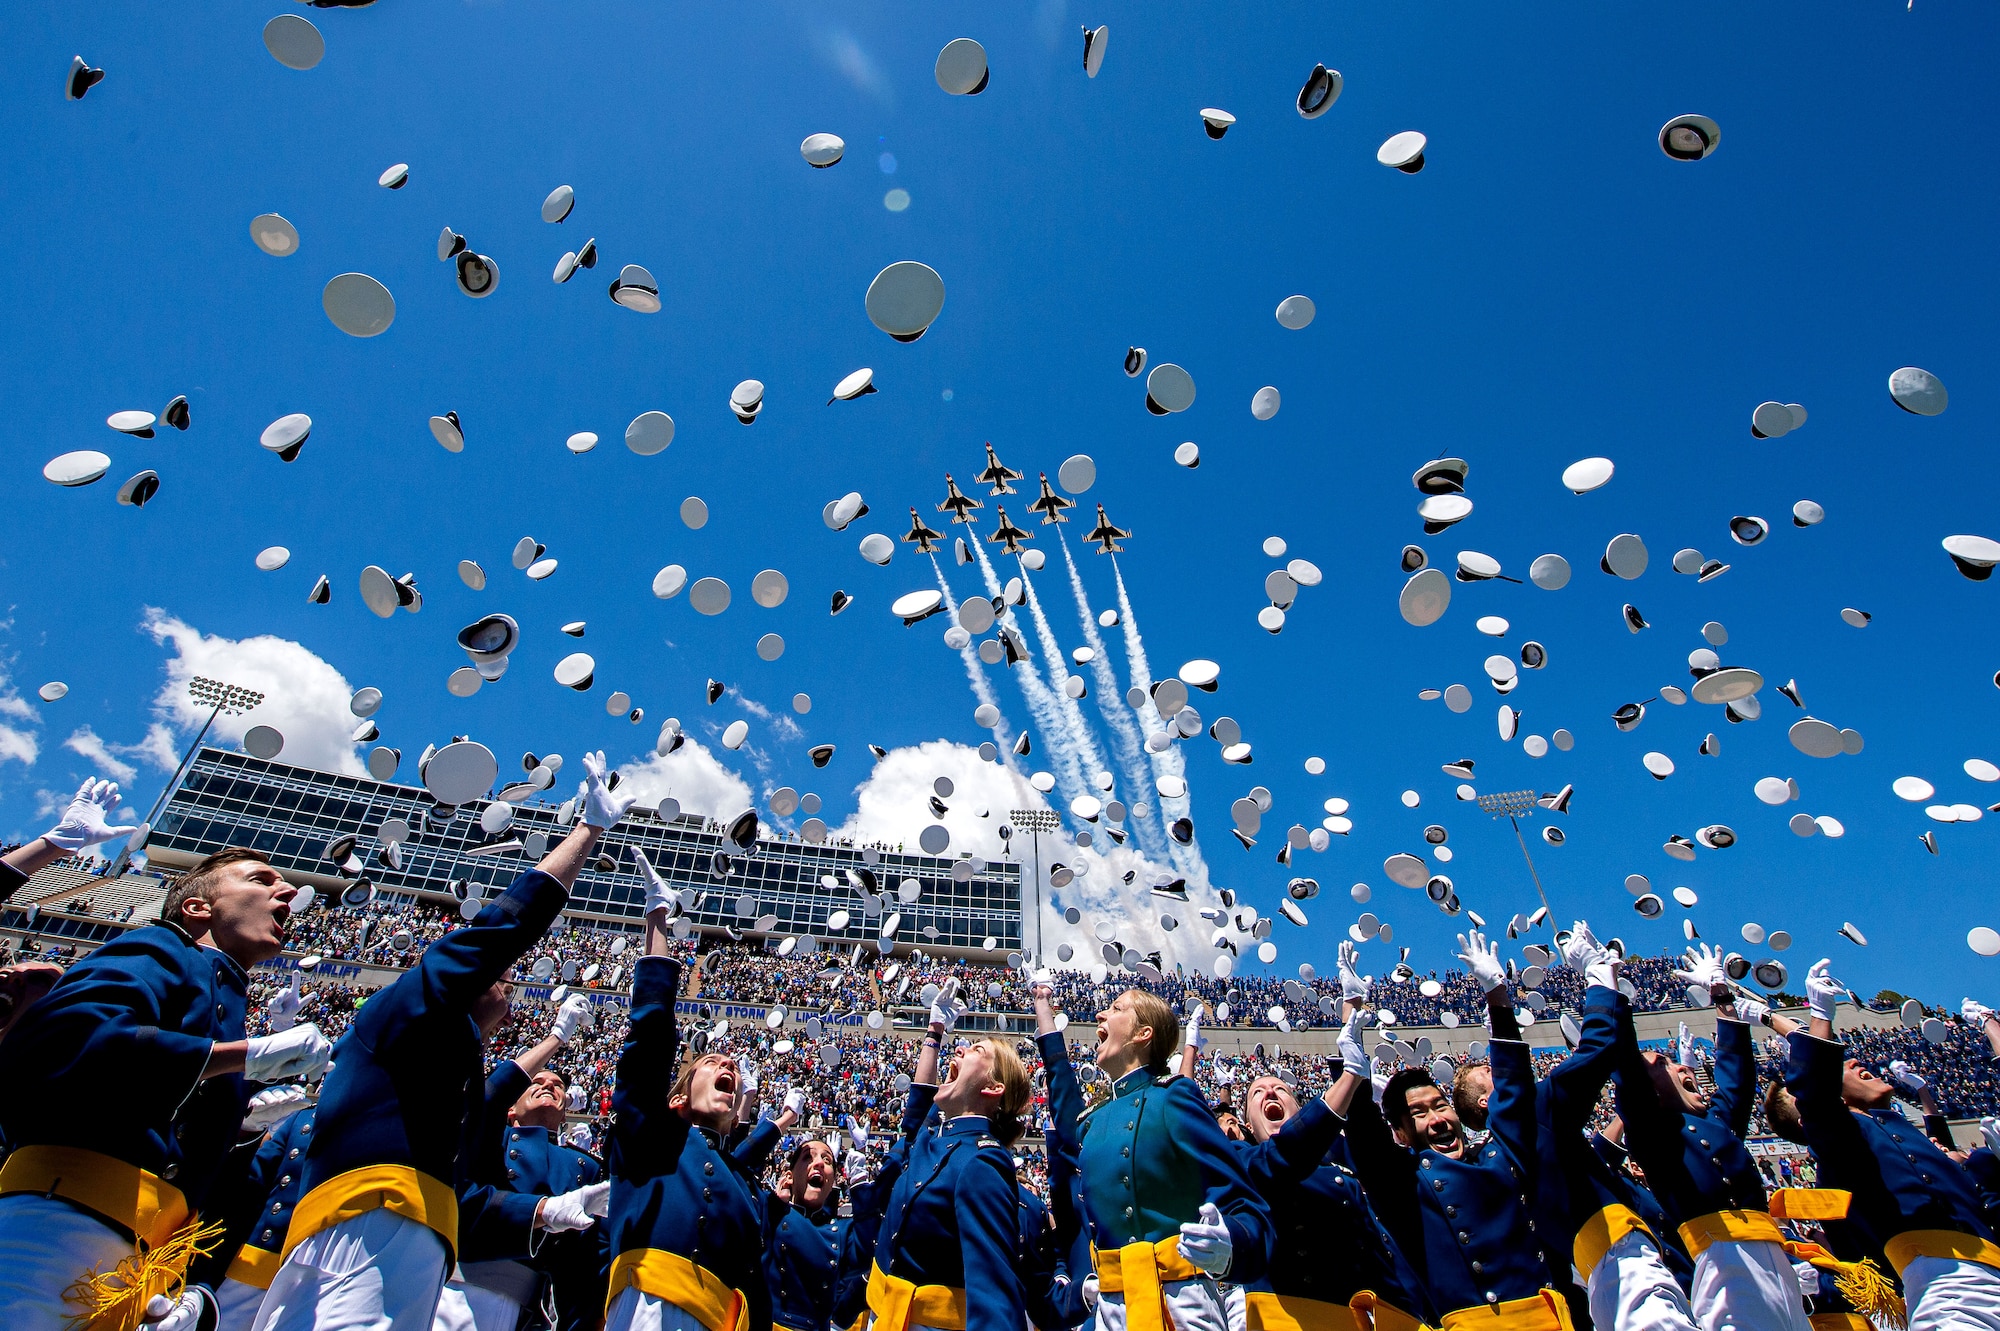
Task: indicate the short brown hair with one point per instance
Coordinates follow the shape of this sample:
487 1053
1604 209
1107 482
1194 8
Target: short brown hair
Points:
1149 1009
1783 1113
1012 1074
194 885
684 1080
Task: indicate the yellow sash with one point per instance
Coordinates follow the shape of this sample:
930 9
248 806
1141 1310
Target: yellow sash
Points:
1602 1230
1140 1271
255 1266
672 1278
1950 1244
1810 1203
1545 1311
1839 1322
1729 1226
899 1304
398 1188
1265 1311
144 1204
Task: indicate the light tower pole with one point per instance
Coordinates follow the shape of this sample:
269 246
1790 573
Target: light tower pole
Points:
1035 822
219 697
1515 804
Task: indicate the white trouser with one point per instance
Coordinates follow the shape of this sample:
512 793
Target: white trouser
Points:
45 1244
486 1296
1747 1286
1194 1305
1234 1306
1631 1289
376 1272
634 1310
236 1305
1945 1294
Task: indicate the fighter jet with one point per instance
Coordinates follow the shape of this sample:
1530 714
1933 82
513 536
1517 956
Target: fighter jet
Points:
1007 536
1050 504
956 501
997 474
1106 535
921 536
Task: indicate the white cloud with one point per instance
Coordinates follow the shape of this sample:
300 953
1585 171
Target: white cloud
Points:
305 698
14 705
156 750
691 774
840 49
18 746
91 745
893 805
779 723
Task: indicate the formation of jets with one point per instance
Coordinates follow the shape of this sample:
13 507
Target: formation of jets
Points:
1001 478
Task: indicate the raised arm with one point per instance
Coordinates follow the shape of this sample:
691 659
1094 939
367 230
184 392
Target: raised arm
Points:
1735 1097
1065 1092
1813 1073
1225 1185
1578 1080
86 822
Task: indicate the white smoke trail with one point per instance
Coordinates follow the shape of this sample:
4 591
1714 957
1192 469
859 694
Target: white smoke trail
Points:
1003 734
1188 858
1111 705
1041 702
1076 729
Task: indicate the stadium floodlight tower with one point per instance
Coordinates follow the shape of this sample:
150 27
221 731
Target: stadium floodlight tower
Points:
1517 804
1035 822
218 697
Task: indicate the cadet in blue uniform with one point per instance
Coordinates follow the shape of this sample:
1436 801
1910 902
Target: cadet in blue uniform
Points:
803 1233
946 1254
386 1177
868 1200
1909 1194
251 1251
1073 1283
503 1269
685 1224
1331 1255
1464 1215
133 1068
1609 1144
1169 1208
1690 1143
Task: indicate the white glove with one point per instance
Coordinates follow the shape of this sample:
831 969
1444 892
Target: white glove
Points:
659 896
856 1168
271 1105
283 1009
84 822
1905 1077
1352 985
1379 1073
298 1052
574 1210
1483 960
1823 992
1808 1277
1703 964
570 1018
795 1101
1751 1009
752 1079
1206 1242
1194 1036
945 1008
1353 1057
602 806
1089 1291
1989 1128
183 1314
1584 953
577 1136
1975 1012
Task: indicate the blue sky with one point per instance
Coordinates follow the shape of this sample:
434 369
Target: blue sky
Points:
1551 287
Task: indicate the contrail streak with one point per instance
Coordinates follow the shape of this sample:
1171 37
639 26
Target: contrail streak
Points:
1041 702
1187 858
1003 734
1076 728
1111 705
